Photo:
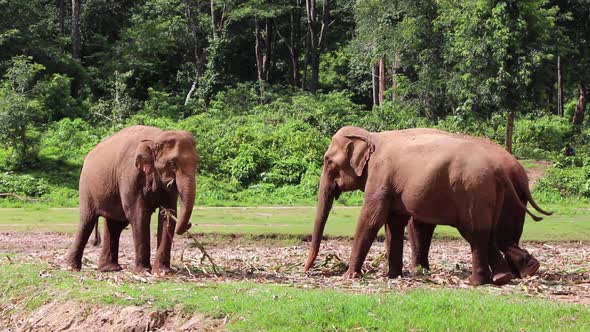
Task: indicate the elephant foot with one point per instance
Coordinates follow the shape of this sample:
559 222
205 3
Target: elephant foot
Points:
531 267
109 267
73 265
419 270
141 269
394 274
478 280
521 262
162 270
351 275
502 278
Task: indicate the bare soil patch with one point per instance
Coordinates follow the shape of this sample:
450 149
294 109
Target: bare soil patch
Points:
564 274
76 316
537 172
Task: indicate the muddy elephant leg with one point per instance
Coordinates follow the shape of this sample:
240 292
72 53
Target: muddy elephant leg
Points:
165 236
109 258
374 214
394 244
420 235
88 218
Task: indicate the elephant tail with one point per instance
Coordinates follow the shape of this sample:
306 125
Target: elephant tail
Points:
529 197
510 187
534 204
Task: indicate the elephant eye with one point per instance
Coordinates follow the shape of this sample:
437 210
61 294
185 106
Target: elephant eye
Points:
172 163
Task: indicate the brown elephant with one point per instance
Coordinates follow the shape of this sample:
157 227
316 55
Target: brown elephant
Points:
512 216
124 179
438 179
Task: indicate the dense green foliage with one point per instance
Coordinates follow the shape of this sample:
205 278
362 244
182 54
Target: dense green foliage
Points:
263 98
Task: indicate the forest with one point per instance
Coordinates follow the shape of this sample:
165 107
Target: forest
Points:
264 84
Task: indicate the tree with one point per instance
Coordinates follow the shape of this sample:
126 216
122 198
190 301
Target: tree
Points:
76 40
494 73
575 15
317 29
20 108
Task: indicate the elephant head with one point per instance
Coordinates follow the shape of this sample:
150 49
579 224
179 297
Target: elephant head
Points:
169 160
344 169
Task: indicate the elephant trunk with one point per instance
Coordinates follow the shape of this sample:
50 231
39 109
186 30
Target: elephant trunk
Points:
326 195
186 184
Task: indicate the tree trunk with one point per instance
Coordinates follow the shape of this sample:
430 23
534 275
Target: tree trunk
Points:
509 130
375 81
394 83
559 88
62 17
578 118
213 29
76 29
258 54
295 33
268 40
317 29
381 81
305 63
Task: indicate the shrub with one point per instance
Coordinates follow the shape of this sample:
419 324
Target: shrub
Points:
23 184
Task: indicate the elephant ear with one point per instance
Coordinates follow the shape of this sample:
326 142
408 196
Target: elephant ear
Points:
359 152
144 157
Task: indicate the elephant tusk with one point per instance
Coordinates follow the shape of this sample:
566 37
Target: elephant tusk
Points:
169 184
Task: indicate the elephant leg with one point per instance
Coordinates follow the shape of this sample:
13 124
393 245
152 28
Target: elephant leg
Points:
374 214
501 273
479 242
96 241
140 227
165 236
109 258
88 218
520 261
394 244
420 235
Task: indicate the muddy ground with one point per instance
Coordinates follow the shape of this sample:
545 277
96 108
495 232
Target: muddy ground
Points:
564 274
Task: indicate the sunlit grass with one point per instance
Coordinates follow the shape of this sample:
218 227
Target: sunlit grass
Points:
256 307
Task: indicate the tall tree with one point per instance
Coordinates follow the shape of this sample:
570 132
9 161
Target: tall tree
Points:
494 73
76 40
318 21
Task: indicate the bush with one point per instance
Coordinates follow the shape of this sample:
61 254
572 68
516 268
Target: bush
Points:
23 185
70 140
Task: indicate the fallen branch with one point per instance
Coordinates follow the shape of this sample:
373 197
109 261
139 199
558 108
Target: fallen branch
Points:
23 198
169 213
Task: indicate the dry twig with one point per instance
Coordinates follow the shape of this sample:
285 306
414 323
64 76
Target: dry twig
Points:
168 213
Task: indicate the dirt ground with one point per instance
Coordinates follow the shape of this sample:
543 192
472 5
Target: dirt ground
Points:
564 274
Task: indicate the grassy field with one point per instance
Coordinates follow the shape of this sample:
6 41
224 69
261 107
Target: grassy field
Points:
570 222
255 307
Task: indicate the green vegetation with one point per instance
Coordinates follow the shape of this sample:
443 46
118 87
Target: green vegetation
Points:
570 223
286 308
263 99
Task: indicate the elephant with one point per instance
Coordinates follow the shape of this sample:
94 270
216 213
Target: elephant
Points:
511 222
124 179
437 179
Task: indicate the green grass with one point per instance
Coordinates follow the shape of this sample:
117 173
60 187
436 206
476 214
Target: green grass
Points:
570 222
286 308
